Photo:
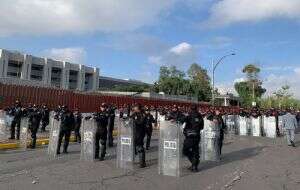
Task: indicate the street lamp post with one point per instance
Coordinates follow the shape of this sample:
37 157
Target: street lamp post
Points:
214 67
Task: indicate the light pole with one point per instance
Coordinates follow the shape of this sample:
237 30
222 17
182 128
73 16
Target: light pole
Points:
214 67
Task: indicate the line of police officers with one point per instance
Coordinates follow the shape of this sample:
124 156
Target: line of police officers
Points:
143 122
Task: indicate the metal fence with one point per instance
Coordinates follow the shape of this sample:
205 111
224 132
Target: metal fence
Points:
73 99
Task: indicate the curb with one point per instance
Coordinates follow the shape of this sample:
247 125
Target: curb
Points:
39 142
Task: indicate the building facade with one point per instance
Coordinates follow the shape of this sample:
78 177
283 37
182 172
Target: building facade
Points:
23 68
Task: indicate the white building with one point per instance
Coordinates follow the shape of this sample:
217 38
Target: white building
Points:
16 67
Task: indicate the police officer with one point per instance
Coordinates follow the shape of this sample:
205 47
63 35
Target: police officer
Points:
111 125
194 124
45 117
16 112
218 117
77 125
67 122
101 132
34 116
149 127
175 115
139 126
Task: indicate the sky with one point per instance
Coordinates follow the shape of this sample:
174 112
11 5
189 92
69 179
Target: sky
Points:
131 39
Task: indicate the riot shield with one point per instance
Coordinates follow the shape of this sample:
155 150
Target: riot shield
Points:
249 126
270 127
88 140
2 125
53 137
231 125
280 125
210 148
170 143
24 133
256 126
243 126
125 148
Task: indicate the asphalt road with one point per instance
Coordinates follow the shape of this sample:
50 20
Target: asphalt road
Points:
247 163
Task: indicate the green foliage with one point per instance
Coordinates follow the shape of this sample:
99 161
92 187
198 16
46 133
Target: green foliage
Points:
174 82
251 89
245 91
200 82
281 99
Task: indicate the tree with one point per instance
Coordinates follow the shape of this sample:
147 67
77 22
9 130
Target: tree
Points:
172 81
282 98
251 89
200 82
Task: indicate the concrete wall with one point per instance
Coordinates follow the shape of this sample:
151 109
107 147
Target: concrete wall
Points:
47 74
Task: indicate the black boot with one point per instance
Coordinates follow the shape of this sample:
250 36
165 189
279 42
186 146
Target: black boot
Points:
293 144
142 158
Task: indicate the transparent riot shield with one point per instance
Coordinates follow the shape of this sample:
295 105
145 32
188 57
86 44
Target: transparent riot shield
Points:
210 148
243 126
88 140
125 148
24 133
270 127
231 125
280 125
170 146
249 126
2 125
256 126
53 137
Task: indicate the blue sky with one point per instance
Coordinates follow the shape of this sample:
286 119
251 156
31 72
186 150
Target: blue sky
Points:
133 38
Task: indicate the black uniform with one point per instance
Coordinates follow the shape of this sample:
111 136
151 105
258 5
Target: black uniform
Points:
111 125
222 130
149 128
139 125
67 122
17 113
177 116
45 118
77 125
34 116
101 134
194 124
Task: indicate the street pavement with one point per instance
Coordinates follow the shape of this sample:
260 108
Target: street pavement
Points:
247 163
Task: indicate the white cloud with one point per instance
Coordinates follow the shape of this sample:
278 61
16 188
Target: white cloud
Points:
228 12
179 55
39 17
239 80
72 54
274 82
226 88
181 49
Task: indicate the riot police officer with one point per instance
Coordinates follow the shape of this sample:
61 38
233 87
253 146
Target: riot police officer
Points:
149 127
45 117
34 116
218 117
101 132
111 125
67 122
175 115
194 124
77 125
16 112
139 126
